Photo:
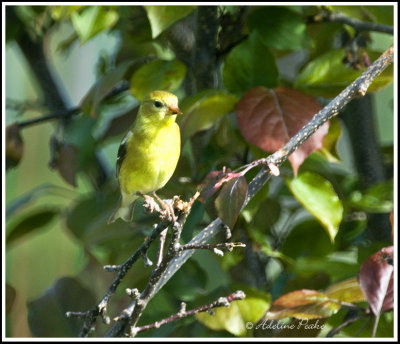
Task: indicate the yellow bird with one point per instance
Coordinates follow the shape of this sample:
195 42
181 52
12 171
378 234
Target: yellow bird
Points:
149 153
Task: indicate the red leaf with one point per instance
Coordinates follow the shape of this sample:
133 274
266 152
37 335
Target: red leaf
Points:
230 200
376 280
303 304
268 118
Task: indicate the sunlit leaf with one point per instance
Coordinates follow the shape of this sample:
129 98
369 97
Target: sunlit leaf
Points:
303 304
376 280
157 75
234 318
249 64
46 314
63 12
346 291
14 145
268 118
329 148
280 28
162 17
203 110
92 20
231 199
328 75
317 195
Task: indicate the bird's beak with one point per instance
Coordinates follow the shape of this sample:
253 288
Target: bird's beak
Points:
174 110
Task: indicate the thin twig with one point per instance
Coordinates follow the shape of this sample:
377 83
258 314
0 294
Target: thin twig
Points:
221 302
357 24
345 323
160 252
228 246
122 271
68 113
129 317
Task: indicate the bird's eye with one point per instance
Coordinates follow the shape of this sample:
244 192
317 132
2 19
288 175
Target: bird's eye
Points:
158 104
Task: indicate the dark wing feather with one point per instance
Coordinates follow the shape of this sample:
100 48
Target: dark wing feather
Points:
122 151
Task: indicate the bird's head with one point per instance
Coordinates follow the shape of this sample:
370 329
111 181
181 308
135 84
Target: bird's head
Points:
160 105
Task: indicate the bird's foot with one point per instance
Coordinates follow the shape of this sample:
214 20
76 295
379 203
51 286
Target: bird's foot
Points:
167 212
149 203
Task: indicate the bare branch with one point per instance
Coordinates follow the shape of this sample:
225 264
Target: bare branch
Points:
221 302
359 25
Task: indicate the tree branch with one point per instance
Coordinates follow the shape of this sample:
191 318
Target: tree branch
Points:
355 89
336 17
101 308
221 302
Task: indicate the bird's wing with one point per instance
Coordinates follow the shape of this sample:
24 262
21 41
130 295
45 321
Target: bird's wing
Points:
122 151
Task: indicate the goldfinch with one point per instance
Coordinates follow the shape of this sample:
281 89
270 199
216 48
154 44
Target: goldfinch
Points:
149 153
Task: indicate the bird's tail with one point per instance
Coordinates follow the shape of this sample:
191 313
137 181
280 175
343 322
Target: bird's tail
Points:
124 211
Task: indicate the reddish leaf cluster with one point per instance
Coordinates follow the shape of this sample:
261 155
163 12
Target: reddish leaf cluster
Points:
268 118
376 280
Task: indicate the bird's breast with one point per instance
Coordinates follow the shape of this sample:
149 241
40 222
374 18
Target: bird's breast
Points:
151 160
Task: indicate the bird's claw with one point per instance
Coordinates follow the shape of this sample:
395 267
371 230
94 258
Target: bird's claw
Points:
166 211
150 204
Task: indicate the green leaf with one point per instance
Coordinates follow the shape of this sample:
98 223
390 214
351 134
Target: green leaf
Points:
42 190
11 293
92 20
303 304
377 199
162 17
248 65
328 75
280 28
157 75
203 110
378 14
46 314
346 291
63 12
317 195
79 133
234 318
329 148
337 269
30 223
87 220
189 281
295 246
230 200
103 87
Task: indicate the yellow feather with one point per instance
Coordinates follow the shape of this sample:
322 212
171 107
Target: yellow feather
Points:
152 151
